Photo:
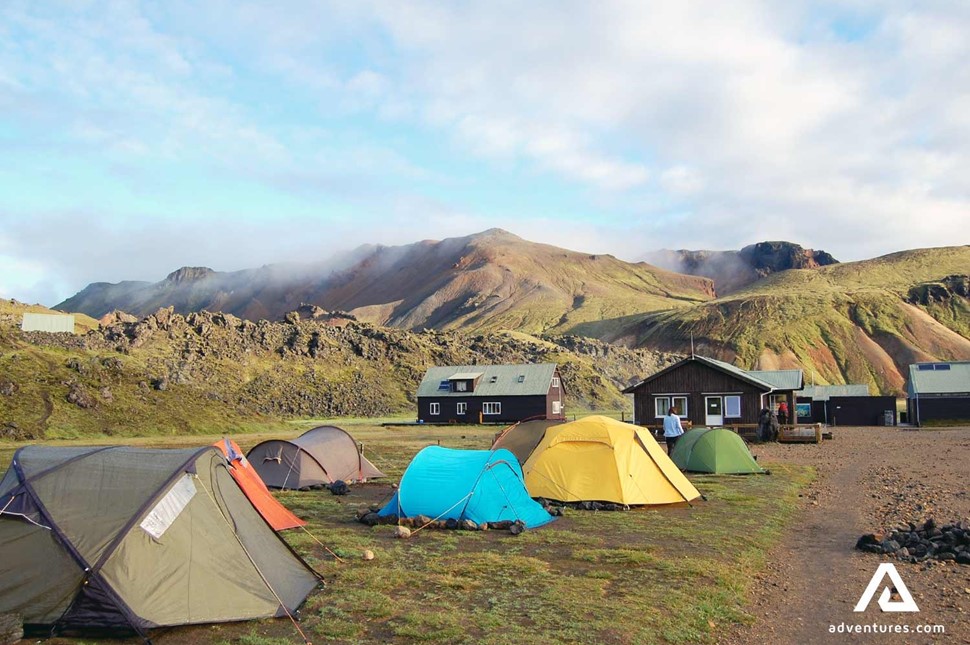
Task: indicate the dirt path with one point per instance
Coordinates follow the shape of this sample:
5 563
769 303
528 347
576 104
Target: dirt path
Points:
870 479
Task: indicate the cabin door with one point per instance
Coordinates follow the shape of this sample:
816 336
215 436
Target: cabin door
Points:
713 411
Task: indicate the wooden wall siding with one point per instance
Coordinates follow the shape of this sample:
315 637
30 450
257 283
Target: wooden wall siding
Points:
938 408
556 394
514 408
861 410
696 380
852 410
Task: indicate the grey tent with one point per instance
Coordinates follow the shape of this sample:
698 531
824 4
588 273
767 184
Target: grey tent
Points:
522 438
317 457
118 538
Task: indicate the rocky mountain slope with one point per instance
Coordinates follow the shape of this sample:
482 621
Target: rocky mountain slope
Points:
167 373
492 280
734 270
858 322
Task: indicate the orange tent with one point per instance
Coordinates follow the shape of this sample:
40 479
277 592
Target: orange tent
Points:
275 514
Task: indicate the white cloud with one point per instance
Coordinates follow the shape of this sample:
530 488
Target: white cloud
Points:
681 181
687 124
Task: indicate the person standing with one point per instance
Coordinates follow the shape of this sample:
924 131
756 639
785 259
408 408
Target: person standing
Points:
672 429
783 413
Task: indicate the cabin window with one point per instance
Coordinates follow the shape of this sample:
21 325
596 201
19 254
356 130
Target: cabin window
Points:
493 379
662 405
461 408
732 406
521 378
492 408
444 385
461 386
556 407
555 381
434 409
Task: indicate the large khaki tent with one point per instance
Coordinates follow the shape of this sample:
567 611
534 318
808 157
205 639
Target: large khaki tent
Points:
601 459
122 538
522 438
317 457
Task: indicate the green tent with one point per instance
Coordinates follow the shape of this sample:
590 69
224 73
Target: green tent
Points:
714 450
131 539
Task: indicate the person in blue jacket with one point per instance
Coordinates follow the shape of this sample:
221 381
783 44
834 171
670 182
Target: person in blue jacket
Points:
672 429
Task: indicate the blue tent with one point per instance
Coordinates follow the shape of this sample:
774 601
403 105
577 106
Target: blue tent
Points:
477 485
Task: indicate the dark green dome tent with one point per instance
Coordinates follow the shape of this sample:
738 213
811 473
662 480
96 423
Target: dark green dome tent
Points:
132 539
714 450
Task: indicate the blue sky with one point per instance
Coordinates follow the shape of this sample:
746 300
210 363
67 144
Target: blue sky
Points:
136 138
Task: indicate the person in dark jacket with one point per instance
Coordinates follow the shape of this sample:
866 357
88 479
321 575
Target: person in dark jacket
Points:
768 425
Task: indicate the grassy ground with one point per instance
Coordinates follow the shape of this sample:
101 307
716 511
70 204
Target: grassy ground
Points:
674 575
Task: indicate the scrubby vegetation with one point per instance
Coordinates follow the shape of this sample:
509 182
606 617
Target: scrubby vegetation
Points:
173 374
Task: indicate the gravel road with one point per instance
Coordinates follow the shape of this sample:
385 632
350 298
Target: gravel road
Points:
869 481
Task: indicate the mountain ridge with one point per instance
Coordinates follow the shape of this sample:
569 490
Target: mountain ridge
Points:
489 280
862 321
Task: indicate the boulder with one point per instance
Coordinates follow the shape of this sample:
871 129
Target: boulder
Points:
469 525
867 542
370 519
402 532
339 487
518 527
80 397
11 628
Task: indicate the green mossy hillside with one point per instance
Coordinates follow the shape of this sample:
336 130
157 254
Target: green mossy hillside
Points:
173 374
859 322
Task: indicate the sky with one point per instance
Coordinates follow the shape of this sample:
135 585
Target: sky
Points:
139 137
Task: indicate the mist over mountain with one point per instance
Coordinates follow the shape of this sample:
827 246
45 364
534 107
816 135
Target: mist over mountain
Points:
777 304
490 280
734 270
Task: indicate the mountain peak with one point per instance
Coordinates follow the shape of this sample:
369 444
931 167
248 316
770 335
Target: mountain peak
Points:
188 274
771 257
734 270
495 234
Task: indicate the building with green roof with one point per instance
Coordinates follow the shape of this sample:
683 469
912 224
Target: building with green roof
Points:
710 393
938 392
491 394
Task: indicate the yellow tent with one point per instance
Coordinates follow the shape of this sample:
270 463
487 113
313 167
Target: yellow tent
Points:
601 459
